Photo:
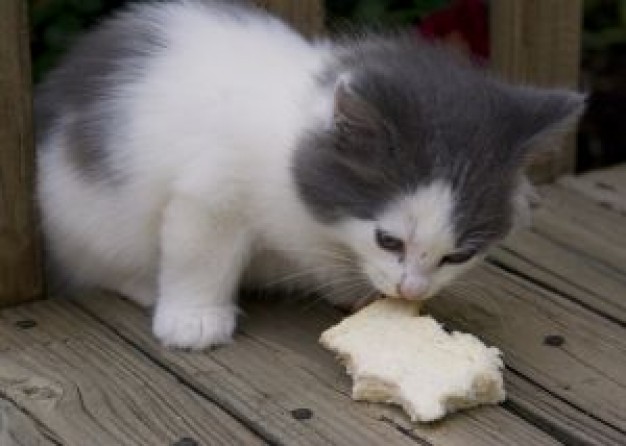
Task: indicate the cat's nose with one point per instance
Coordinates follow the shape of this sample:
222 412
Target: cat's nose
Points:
412 288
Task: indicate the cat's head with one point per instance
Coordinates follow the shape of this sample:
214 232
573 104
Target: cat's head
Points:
420 172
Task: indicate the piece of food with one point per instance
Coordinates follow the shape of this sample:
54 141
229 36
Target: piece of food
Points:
396 356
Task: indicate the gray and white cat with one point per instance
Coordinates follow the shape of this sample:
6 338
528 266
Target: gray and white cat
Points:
187 148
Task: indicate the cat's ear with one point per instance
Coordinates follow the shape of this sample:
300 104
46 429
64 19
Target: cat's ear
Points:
547 116
354 116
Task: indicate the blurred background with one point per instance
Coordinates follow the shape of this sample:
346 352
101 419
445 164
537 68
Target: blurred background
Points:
462 23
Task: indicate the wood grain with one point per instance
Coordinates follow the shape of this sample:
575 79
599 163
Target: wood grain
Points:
607 187
20 273
295 326
537 42
90 388
260 383
17 429
574 246
586 370
307 16
276 365
564 421
584 211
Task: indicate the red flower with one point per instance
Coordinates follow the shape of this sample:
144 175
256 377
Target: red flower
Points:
464 24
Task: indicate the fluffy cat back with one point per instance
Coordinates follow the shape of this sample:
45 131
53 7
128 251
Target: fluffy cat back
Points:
198 98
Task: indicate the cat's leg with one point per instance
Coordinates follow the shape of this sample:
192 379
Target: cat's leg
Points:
137 290
203 254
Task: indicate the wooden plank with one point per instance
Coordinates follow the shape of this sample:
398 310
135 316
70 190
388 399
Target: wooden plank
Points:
278 361
574 354
563 272
564 421
579 209
17 429
606 186
574 246
90 388
20 275
537 42
296 327
262 385
307 16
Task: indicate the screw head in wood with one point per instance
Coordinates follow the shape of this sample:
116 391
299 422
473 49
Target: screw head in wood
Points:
302 413
186 441
554 340
25 324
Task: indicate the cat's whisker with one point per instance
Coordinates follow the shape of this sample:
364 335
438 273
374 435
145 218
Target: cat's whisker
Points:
349 293
309 272
327 253
349 289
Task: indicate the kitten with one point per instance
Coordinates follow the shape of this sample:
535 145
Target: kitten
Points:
186 148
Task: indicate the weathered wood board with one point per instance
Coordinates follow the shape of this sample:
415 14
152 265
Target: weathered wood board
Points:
273 344
574 246
607 187
18 429
20 272
579 356
296 327
537 42
87 387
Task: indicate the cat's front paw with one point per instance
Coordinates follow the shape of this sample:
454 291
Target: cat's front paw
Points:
195 328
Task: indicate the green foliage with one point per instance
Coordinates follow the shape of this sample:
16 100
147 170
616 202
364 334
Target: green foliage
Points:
382 12
604 24
56 23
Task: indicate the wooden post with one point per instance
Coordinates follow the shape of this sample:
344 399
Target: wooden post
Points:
307 16
537 42
20 272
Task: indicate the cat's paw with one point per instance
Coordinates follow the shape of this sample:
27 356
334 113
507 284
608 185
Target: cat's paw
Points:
195 328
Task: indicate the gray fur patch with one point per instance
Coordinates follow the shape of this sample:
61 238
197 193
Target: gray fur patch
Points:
80 99
444 119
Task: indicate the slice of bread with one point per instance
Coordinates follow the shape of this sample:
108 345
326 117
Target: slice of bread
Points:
396 356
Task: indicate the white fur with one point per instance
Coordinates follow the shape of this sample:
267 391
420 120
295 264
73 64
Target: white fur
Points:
207 190
423 221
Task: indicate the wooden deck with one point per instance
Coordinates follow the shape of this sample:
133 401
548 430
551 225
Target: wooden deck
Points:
553 298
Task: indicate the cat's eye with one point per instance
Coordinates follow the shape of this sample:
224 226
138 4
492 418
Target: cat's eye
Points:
389 242
456 258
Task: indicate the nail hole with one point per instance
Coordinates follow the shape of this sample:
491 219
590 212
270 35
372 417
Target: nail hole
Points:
604 186
554 340
26 324
302 413
606 205
186 441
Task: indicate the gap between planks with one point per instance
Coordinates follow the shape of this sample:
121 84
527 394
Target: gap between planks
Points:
19 429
